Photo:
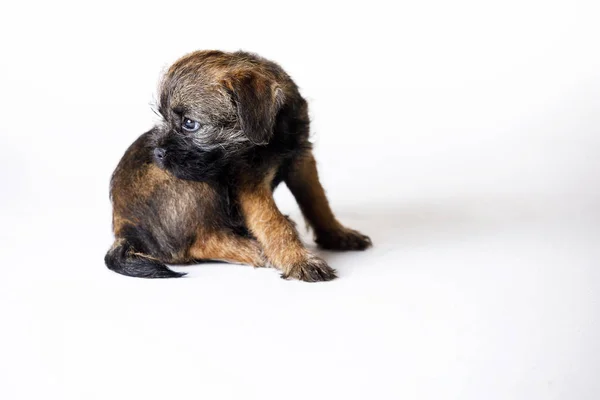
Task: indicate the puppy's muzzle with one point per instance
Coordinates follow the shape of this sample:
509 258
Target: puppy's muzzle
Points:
160 153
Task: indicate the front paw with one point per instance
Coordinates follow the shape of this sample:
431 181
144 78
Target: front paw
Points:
313 269
343 239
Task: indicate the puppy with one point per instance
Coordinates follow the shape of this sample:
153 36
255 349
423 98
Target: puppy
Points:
199 186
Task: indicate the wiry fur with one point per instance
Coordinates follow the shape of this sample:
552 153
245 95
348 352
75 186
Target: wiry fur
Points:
209 194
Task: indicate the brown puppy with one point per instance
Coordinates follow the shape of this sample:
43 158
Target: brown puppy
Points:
199 186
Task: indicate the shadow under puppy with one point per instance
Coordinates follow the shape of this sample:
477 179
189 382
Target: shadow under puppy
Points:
199 186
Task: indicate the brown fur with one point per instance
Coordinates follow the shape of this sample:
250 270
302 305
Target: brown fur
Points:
208 194
271 228
227 247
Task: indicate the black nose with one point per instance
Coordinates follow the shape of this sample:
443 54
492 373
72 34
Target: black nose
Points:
159 153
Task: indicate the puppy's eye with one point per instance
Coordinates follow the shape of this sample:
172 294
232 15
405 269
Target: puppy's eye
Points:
190 125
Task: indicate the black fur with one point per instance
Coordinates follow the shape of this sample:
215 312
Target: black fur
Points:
187 161
161 216
123 259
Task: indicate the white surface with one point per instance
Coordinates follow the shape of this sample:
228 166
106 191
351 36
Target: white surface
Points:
469 152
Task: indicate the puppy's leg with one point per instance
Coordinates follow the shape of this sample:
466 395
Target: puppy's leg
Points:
228 247
303 181
278 237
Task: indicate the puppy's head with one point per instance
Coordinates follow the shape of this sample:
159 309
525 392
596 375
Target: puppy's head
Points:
213 105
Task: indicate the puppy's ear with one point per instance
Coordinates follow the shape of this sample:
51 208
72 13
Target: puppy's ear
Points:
258 100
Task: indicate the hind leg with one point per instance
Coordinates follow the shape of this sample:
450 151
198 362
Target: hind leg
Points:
303 181
128 257
229 247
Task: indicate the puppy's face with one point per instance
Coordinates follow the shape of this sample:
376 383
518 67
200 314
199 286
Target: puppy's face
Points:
213 105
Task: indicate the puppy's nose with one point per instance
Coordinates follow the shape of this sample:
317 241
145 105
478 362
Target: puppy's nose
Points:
159 153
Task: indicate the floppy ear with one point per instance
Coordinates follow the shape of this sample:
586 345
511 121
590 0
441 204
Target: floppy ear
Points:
258 100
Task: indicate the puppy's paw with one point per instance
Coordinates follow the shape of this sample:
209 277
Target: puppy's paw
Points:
313 269
343 239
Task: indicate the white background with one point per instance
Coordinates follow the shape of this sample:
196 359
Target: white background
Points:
462 136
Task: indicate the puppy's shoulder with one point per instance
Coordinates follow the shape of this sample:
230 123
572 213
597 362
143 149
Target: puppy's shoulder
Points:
138 153
136 158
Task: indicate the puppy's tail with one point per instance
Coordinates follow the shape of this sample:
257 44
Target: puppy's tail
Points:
123 259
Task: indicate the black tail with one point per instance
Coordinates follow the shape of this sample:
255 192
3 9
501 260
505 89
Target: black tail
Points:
122 259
